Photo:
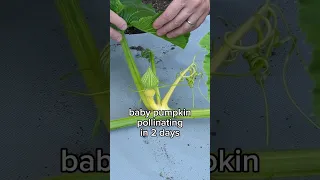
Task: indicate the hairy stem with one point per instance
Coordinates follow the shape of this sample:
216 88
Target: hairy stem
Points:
166 98
133 70
132 121
152 103
87 55
154 70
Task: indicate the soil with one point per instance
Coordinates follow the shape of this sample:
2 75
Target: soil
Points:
158 5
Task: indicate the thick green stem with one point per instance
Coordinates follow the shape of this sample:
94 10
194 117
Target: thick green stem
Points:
133 70
153 105
288 163
224 51
132 121
154 70
87 55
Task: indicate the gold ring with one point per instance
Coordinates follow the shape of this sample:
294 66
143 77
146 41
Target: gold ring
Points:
190 23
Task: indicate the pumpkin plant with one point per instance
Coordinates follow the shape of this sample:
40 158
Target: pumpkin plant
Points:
95 70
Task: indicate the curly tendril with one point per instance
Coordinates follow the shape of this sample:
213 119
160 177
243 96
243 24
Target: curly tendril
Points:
257 55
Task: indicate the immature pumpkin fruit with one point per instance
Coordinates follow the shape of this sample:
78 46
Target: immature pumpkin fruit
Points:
150 82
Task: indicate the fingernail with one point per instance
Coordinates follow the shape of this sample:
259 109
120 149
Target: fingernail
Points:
169 36
123 27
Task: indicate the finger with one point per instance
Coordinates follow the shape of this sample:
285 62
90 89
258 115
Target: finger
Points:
118 21
115 35
176 22
184 14
200 21
206 10
186 27
172 10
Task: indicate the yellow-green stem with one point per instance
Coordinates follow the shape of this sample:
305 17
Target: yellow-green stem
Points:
154 70
166 98
152 103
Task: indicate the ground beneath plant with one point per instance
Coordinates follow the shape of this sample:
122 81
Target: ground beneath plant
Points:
159 5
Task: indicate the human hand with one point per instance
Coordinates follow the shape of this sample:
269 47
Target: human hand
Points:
182 16
116 20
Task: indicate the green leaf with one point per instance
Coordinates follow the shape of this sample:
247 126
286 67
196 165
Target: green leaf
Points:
116 6
133 10
309 22
81 176
142 16
145 24
147 53
205 43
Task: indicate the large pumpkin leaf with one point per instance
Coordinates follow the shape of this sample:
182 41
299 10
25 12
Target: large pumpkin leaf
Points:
142 16
116 6
309 22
